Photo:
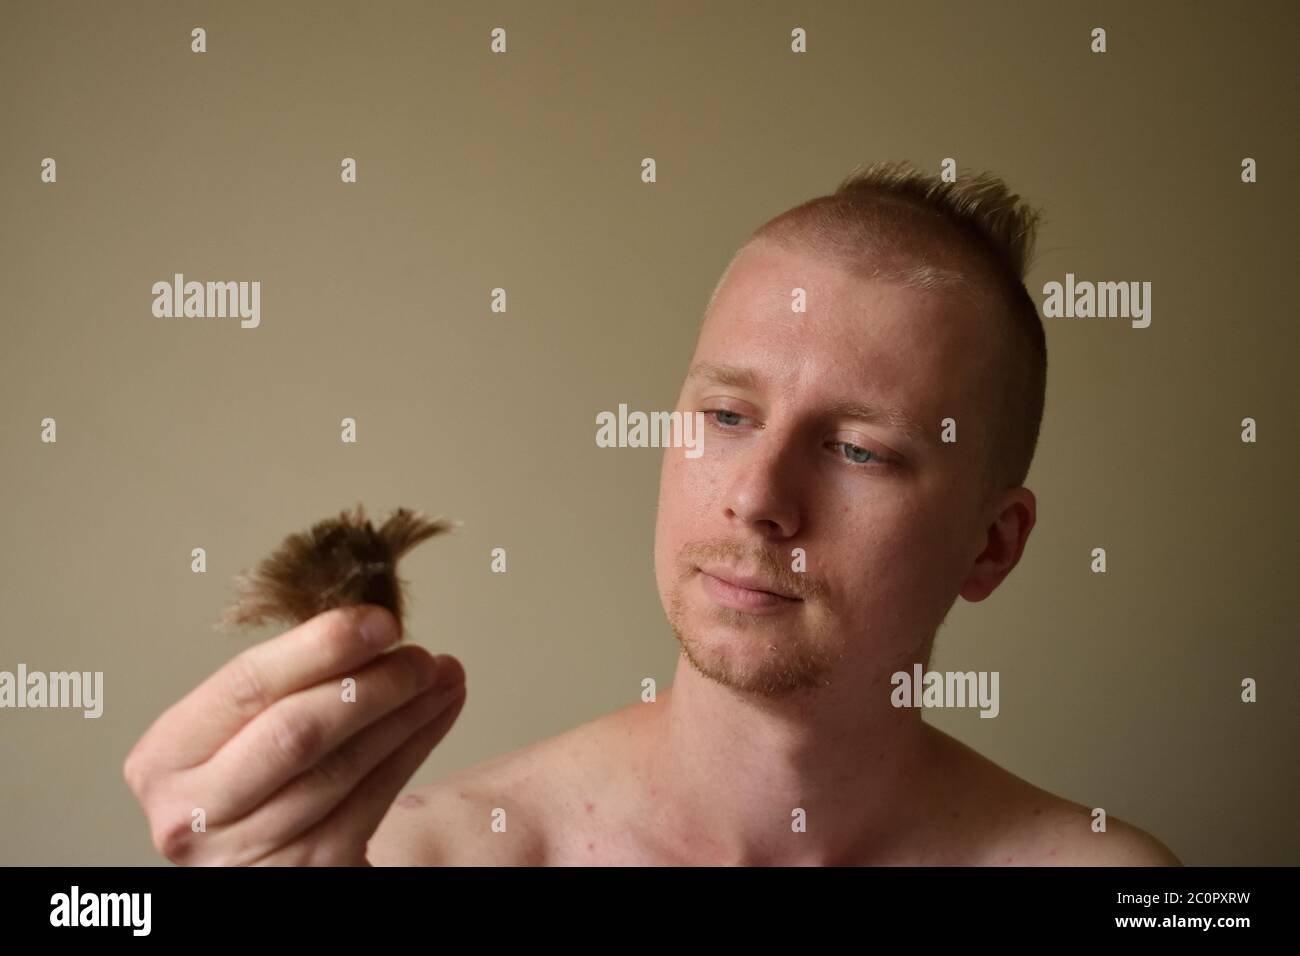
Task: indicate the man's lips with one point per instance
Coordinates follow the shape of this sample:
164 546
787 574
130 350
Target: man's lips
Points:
744 591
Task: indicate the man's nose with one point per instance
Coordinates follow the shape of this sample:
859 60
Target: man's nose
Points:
763 488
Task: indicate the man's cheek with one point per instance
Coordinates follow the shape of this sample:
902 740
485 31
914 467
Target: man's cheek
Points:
679 502
671 482
695 484
914 562
893 554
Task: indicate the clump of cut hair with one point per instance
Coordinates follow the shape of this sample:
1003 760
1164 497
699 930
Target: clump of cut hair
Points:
339 562
890 220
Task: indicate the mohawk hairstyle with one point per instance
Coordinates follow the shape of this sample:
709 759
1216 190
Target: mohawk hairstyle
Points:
340 562
894 221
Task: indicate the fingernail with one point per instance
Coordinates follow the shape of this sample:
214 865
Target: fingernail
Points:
443 675
378 627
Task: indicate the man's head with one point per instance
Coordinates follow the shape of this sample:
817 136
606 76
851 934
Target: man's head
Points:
824 432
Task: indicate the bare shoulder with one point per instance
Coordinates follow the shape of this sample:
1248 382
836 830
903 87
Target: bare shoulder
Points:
506 811
469 818
1120 844
1020 824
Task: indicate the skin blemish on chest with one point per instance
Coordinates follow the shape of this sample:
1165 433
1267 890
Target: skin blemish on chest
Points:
590 806
410 801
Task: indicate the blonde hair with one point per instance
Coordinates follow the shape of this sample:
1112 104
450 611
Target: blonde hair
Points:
892 221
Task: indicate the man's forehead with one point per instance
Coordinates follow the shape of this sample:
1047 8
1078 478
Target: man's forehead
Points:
771 297
875 349
873 329
764 275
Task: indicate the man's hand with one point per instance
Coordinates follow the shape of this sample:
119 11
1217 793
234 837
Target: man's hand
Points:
285 770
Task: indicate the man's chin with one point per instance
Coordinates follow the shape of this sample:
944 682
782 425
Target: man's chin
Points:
762 668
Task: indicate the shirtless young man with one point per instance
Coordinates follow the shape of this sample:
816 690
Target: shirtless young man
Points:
823 433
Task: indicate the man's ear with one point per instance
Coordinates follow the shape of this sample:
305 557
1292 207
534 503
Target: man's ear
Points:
1011 519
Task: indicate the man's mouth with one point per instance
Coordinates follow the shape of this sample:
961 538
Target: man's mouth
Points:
741 591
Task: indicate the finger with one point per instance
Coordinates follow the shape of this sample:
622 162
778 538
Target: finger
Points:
311 796
332 642
301 729
267 834
356 819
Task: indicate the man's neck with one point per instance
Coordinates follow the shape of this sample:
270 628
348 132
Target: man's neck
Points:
730 772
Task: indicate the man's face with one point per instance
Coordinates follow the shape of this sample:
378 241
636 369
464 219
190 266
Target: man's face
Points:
888 523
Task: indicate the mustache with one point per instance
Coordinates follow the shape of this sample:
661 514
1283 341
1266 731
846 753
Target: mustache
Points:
774 566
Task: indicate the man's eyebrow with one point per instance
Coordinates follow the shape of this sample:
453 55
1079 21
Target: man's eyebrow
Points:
880 415
738 377
722 375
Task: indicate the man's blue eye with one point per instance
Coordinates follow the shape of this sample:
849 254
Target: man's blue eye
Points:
852 452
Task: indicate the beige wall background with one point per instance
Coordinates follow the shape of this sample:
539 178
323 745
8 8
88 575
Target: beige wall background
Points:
521 170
